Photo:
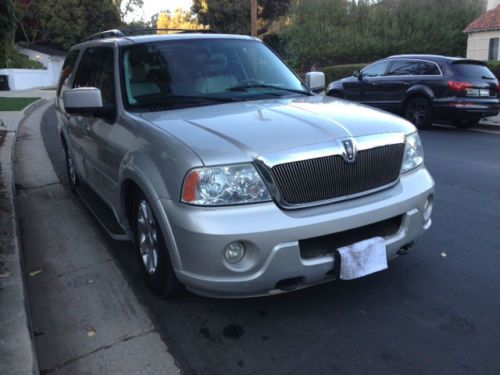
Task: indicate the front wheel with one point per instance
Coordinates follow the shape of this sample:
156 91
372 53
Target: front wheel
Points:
419 112
153 253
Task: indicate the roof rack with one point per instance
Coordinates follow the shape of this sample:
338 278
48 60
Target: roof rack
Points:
117 33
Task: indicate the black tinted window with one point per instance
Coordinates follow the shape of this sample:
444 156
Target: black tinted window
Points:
96 70
471 70
67 68
405 68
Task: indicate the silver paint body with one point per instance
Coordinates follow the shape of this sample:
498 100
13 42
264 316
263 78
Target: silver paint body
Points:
156 149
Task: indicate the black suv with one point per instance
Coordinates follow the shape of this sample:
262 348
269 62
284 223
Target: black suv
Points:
424 87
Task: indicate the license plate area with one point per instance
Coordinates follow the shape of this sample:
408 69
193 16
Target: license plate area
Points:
361 258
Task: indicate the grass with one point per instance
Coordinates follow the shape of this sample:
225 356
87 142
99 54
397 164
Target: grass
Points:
15 104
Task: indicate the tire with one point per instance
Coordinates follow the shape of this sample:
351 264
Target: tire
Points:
152 251
73 179
418 111
465 124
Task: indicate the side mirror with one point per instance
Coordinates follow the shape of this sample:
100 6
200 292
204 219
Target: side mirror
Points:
86 101
358 74
316 81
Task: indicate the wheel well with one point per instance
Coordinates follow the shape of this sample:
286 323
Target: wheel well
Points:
129 191
416 95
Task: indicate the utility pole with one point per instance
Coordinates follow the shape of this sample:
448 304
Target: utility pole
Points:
253 16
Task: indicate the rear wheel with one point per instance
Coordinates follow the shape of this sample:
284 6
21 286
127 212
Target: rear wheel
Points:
152 251
418 111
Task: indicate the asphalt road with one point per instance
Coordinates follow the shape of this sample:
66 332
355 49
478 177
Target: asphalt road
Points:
436 310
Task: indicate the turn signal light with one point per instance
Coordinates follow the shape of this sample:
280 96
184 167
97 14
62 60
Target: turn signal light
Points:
459 86
190 186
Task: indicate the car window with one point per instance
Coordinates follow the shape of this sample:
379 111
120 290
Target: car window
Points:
96 70
67 68
376 69
471 70
167 72
408 67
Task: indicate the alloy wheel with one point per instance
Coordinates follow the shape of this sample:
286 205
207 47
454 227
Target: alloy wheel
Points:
147 236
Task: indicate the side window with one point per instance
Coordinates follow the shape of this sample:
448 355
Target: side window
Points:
97 70
376 70
493 49
69 64
427 69
403 68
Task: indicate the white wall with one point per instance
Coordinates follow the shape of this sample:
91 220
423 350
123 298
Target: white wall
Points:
478 44
23 79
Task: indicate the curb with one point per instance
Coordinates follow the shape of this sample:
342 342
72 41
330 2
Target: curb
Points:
490 127
17 342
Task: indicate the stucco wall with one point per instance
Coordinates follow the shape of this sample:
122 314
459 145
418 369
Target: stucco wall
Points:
22 79
478 44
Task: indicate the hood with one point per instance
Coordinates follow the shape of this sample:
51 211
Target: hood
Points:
242 131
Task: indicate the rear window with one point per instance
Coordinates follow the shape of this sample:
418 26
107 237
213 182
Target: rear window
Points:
469 70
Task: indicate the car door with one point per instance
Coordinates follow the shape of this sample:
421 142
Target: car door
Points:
400 75
371 78
94 135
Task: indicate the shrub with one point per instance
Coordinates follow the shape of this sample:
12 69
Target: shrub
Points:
495 68
16 60
336 72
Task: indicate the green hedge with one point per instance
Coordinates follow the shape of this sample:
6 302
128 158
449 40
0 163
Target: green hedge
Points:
495 68
336 72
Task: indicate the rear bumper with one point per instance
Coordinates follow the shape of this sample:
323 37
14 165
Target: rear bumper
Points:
466 108
272 235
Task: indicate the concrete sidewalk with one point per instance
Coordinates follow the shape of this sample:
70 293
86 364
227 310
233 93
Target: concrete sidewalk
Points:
490 123
82 316
17 352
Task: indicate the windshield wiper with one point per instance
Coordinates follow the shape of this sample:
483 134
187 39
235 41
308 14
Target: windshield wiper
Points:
172 100
263 86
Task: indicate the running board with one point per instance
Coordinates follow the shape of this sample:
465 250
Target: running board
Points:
103 214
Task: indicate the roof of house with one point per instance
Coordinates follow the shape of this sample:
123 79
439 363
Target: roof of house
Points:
487 22
43 49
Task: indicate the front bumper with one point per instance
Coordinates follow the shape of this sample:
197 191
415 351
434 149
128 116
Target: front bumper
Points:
271 236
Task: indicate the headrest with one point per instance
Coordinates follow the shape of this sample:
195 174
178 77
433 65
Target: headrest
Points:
214 64
138 72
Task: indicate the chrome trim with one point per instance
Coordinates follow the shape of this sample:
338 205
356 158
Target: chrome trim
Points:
329 148
264 164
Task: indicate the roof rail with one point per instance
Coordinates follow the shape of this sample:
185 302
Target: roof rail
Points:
117 33
105 34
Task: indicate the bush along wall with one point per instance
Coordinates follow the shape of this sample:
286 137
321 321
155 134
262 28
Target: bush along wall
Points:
336 72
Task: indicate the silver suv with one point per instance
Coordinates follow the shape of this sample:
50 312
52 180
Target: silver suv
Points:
233 177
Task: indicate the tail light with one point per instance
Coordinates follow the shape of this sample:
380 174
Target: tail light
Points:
459 86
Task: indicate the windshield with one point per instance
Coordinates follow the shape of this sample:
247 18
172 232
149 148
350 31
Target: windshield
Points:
203 71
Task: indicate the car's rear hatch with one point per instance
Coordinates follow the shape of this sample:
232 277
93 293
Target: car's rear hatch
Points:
473 79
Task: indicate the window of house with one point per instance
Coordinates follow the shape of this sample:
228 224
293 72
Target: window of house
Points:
493 50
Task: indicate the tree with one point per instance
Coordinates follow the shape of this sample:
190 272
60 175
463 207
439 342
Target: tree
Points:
8 19
233 16
128 6
180 19
66 22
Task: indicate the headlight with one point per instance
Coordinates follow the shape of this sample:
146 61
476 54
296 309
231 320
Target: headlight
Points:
414 153
225 185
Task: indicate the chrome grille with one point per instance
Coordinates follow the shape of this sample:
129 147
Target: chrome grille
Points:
331 177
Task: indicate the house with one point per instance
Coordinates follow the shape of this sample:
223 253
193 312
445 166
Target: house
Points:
484 34
52 59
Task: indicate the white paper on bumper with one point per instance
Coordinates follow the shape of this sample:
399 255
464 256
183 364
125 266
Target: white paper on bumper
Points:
362 258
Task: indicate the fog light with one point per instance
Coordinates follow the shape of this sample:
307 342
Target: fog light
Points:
234 252
429 203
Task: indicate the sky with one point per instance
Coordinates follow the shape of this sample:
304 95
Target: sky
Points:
152 7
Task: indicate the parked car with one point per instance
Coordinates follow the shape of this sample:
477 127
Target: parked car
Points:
424 87
231 176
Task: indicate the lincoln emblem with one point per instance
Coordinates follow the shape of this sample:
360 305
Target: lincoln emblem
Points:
349 151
